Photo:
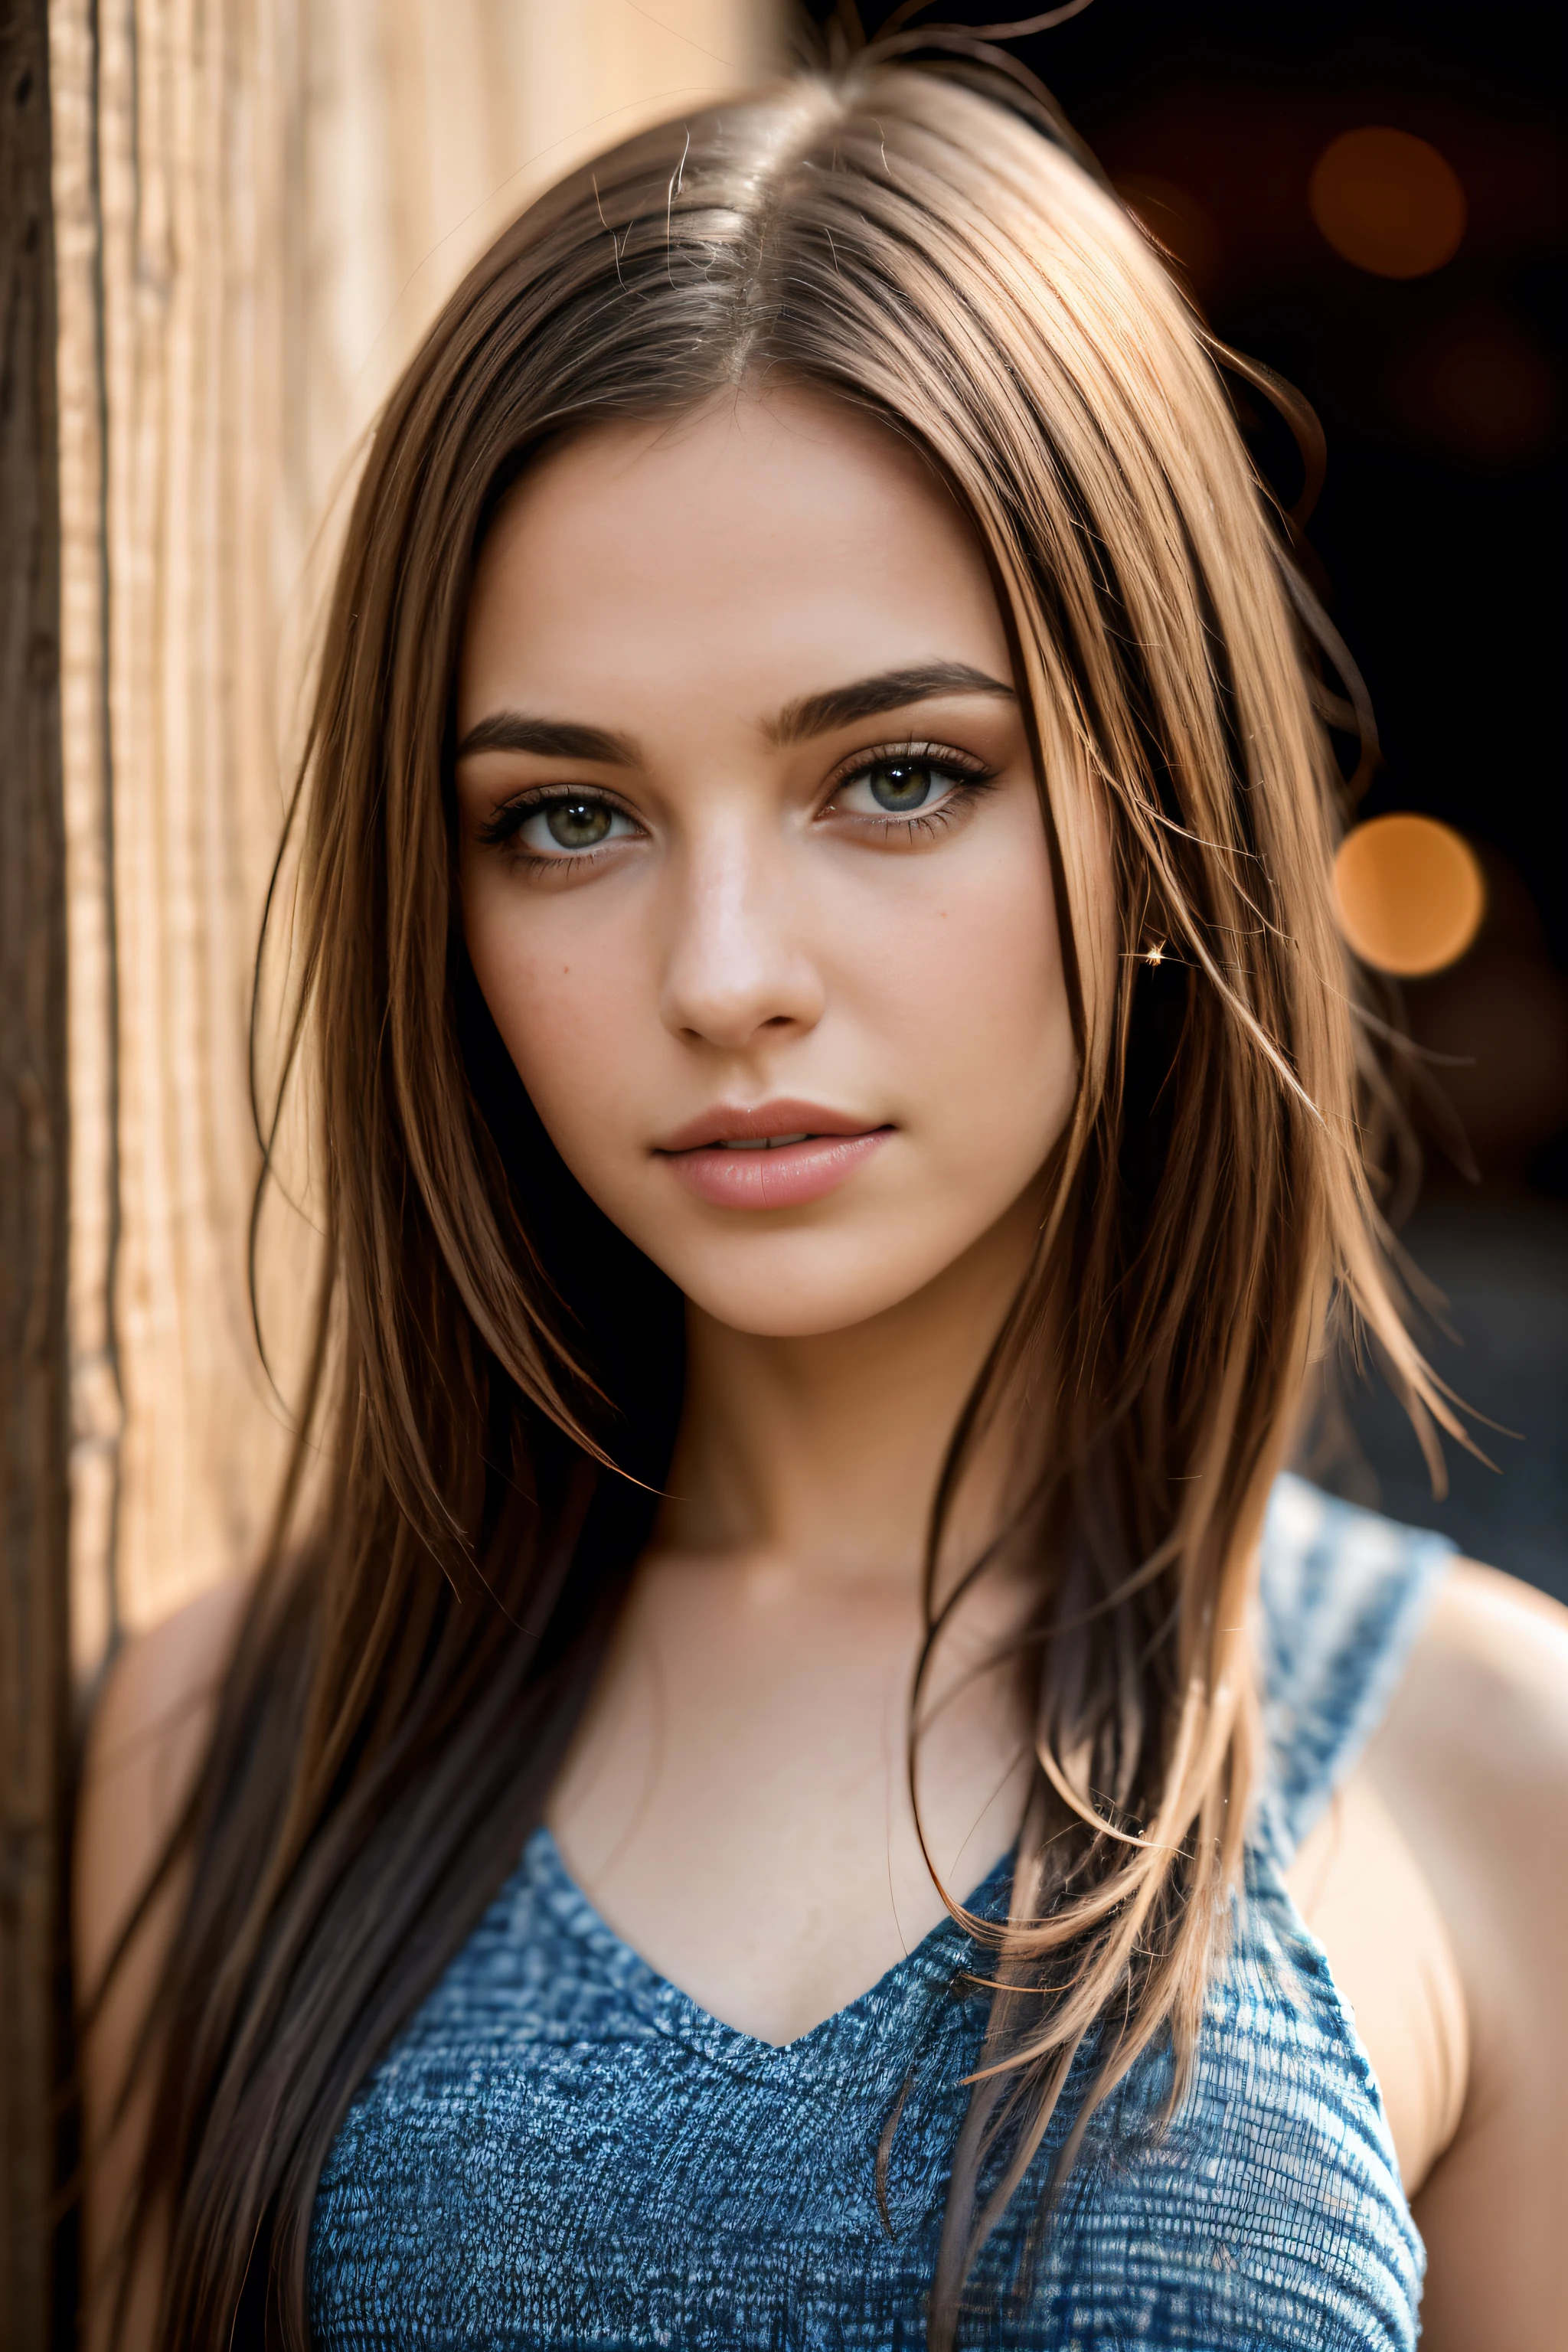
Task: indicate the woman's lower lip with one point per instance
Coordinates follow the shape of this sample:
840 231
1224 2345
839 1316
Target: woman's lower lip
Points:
785 1178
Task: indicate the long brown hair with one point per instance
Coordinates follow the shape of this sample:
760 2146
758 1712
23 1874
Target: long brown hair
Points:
496 1420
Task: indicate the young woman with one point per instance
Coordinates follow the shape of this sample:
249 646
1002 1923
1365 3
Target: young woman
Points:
772 1799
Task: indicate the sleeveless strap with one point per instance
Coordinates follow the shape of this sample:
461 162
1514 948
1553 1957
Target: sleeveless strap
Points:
1344 1595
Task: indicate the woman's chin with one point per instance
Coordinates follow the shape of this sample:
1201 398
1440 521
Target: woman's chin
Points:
801 1301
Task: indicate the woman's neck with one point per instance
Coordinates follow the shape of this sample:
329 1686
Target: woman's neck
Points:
825 1451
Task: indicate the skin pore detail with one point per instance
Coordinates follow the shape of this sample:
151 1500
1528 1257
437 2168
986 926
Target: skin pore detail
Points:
754 854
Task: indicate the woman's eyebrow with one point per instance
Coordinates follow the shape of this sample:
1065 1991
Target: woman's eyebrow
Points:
551 739
841 706
813 714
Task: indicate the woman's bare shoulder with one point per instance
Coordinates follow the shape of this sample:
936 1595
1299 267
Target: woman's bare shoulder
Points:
1473 1761
149 1729
172 1666
1482 1713
148 1734
1473 1764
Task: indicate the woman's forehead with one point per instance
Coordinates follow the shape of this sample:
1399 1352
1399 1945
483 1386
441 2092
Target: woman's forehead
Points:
763 548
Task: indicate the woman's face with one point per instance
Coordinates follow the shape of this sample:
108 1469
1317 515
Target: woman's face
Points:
754 876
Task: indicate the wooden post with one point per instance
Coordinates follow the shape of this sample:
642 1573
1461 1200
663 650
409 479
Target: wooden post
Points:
34 1674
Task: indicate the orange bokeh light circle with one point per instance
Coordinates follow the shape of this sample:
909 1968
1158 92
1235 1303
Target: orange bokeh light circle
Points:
1387 201
1409 893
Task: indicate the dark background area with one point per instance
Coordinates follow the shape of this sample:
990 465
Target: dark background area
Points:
1437 547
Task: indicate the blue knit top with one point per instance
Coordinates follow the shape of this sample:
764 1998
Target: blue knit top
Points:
562 2149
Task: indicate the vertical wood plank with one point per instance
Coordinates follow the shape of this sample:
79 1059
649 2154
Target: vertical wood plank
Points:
33 1144
91 951
258 207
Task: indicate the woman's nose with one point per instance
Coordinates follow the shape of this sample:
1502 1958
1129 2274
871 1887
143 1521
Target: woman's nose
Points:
737 962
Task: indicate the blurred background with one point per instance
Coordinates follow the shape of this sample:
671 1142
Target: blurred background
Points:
259 204
1373 200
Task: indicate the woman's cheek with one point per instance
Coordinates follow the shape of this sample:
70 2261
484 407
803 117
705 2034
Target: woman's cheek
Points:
564 1005
989 1031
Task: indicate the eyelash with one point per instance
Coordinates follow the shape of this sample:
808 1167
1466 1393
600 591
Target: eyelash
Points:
500 827
971 778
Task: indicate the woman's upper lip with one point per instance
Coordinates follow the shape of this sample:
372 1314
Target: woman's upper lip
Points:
732 1123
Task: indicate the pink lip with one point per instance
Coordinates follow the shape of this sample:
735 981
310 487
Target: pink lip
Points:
785 1177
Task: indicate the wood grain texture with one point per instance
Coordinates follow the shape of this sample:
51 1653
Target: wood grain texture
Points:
33 1162
259 205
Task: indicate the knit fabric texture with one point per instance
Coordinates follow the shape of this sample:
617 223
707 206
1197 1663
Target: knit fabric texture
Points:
562 2149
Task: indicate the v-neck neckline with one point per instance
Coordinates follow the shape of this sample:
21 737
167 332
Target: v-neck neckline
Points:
927 1973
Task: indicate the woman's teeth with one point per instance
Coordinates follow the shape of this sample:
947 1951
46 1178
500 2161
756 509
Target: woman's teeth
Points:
762 1142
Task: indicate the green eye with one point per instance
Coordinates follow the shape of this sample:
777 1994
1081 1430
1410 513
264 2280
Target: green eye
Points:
900 785
578 823
918 782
